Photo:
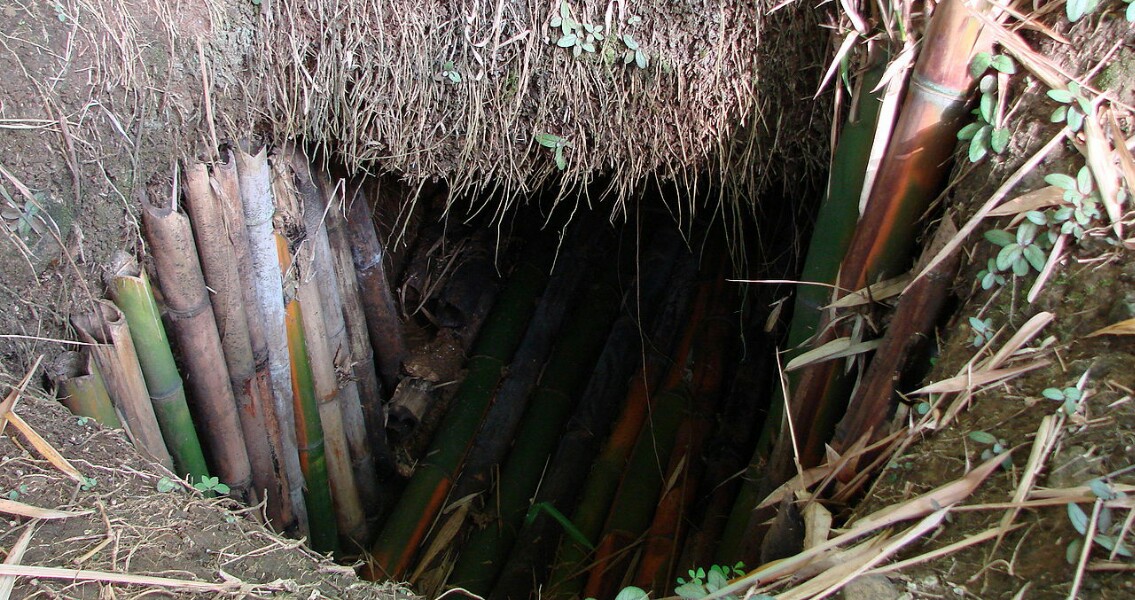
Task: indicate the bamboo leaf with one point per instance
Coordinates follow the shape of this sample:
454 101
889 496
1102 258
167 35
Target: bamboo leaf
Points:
1126 327
838 348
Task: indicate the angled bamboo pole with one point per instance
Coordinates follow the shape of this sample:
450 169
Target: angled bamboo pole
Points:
361 352
659 298
345 494
195 329
219 262
386 333
309 430
327 283
104 327
261 276
130 289
83 392
425 494
567 372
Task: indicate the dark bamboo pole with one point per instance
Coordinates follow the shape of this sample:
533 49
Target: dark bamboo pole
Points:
660 299
264 301
430 485
386 334
130 289
194 327
219 262
105 328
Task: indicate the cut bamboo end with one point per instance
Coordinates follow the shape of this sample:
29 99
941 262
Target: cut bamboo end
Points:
82 390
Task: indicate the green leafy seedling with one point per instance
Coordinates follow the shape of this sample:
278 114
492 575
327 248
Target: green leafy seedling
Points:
983 331
1020 250
990 275
1076 9
634 52
996 446
88 484
1068 397
211 485
16 493
450 73
557 145
166 485
1083 202
703 582
1074 106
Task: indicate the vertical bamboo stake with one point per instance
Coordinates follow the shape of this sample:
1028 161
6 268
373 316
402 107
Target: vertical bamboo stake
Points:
195 329
113 350
385 327
345 494
361 352
309 429
256 198
219 263
131 291
83 392
315 210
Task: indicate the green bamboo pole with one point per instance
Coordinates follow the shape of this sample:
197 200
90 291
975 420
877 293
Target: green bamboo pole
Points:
85 394
566 373
427 490
130 289
309 430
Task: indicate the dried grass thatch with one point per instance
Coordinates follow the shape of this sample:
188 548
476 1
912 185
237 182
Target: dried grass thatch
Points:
464 90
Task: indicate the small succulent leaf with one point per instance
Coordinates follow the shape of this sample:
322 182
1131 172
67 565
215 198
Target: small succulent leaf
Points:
587 47
1085 105
1130 13
1035 257
987 105
988 84
1059 115
561 161
1060 180
999 139
1035 216
1102 491
967 132
641 59
1075 119
556 21
631 593
1078 517
999 237
1026 233
630 42
1084 181
577 50
980 63
982 437
566 40
1004 64
548 140
690 591
1061 96
1052 394
1076 9
1073 551
628 57
1008 256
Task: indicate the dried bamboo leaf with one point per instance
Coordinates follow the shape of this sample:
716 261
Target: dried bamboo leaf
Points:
1098 155
1038 199
971 381
11 507
15 555
13 396
124 578
1125 327
874 292
1026 333
966 542
46 449
800 482
837 348
817 524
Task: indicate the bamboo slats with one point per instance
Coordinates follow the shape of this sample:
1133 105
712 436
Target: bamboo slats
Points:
130 289
190 313
263 286
105 328
423 498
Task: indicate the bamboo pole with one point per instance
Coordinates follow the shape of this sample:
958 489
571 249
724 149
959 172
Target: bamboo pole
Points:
567 371
264 302
82 390
383 324
660 298
195 329
309 430
428 488
219 261
361 352
363 464
301 266
603 482
104 327
130 289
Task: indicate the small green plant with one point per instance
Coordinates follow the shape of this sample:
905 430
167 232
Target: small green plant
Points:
1069 398
211 484
450 73
569 527
16 493
703 582
88 484
630 593
27 217
996 446
557 145
986 133
580 37
1076 9
1083 203
1129 14
1019 250
634 52
983 331
990 275
1074 106
166 485
1109 531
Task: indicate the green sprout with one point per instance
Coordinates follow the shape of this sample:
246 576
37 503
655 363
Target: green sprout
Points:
1019 250
557 144
983 331
449 72
634 52
580 37
211 485
1074 106
987 133
996 446
703 583
166 485
1068 397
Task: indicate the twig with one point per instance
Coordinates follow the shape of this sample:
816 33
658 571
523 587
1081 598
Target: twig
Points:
1086 551
124 578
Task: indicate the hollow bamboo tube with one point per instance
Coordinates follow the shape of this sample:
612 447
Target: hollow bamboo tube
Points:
603 482
427 490
219 262
363 466
113 350
561 383
344 493
657 299
83 392
195 329
264 302
383 324
130 289
309 429
358 338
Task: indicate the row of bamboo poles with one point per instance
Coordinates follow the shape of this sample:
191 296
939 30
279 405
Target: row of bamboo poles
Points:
269 293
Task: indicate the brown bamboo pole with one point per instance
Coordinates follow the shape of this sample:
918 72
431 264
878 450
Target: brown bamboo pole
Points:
385 327
219 263
361 351
354 422
82 390
266 282
104 327
344 492
194 327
